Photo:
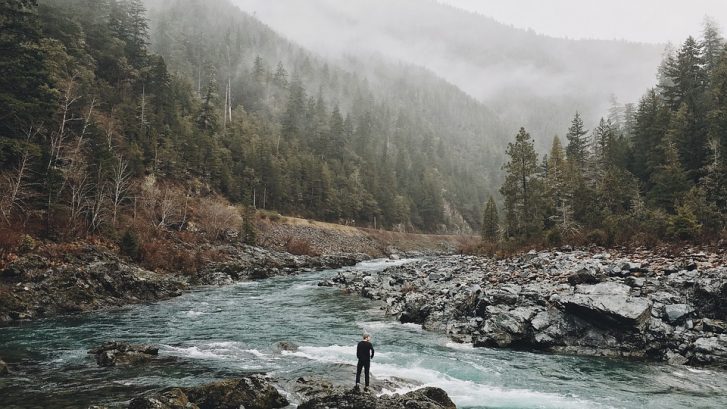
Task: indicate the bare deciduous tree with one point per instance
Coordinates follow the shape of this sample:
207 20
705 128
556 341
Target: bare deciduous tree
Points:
216 218
120 184
14 189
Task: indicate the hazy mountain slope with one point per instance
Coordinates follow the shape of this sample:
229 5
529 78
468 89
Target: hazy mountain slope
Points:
413 136
530 79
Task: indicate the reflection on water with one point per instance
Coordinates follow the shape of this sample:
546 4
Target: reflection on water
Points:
214 333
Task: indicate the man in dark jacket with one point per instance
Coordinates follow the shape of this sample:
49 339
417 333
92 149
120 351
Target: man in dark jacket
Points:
364 353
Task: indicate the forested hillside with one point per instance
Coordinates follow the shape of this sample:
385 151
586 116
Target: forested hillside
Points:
651 172
359 141
527 78
97 127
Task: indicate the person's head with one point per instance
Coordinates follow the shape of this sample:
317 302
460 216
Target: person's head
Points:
366 337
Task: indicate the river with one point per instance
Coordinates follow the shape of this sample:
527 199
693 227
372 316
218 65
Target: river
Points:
214 332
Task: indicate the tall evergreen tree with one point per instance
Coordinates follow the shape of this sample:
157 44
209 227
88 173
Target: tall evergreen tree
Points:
652 123
577 149
521 188
669 180
490 221
712 44
26 95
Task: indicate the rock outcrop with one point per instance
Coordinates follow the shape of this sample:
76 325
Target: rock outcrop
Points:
634 304
251 392
115 353
425 398
35 286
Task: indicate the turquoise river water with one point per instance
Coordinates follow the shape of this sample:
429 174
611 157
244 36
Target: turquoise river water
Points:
213 333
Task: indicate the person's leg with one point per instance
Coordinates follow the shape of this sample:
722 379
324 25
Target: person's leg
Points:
358 372
367 367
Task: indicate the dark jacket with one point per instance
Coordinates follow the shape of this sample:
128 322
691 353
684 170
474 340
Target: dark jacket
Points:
363 350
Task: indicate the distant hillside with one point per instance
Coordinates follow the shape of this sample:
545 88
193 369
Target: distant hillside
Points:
412 149
529 79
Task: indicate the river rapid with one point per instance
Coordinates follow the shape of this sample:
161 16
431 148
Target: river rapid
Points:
218 332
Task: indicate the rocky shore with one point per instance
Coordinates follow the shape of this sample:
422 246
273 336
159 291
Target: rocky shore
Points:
91 278
261 392
635 304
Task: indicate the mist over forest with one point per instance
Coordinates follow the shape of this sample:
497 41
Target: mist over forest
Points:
528 79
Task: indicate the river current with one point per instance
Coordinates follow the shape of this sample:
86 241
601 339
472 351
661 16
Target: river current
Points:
213 333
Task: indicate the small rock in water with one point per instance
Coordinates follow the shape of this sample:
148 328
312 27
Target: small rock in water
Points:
3 368
123 353
285 346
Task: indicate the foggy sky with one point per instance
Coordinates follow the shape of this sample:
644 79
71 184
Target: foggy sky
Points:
652 21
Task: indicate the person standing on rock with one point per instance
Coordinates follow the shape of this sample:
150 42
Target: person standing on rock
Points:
364 353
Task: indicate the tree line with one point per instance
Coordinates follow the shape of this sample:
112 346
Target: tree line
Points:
110 119
648 172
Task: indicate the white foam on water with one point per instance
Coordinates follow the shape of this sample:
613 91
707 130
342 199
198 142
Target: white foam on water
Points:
372 326
193 313
224 350
412 326
460 346
334 354
462 392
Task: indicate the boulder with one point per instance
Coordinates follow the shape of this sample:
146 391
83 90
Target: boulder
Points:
171 399
123 353
253 392
506 329
3 368
585 276
285 346
710 350
608 304
425 398
716 326
416 308
675 313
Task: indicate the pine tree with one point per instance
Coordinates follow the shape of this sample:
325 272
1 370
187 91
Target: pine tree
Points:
521 189
208 119
26 96
604 139
712 44
490 222
652 122
669 180
687 76
577 149
557 186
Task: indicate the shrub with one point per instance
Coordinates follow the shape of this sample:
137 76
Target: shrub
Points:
684 225
597 237
27 244
554 238
129 245
299 247
248 232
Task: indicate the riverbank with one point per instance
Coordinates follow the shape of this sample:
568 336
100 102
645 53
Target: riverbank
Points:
639 304
43 279
79 277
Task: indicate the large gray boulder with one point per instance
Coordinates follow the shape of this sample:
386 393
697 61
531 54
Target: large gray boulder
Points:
675 313
609 304
252 392
425 398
